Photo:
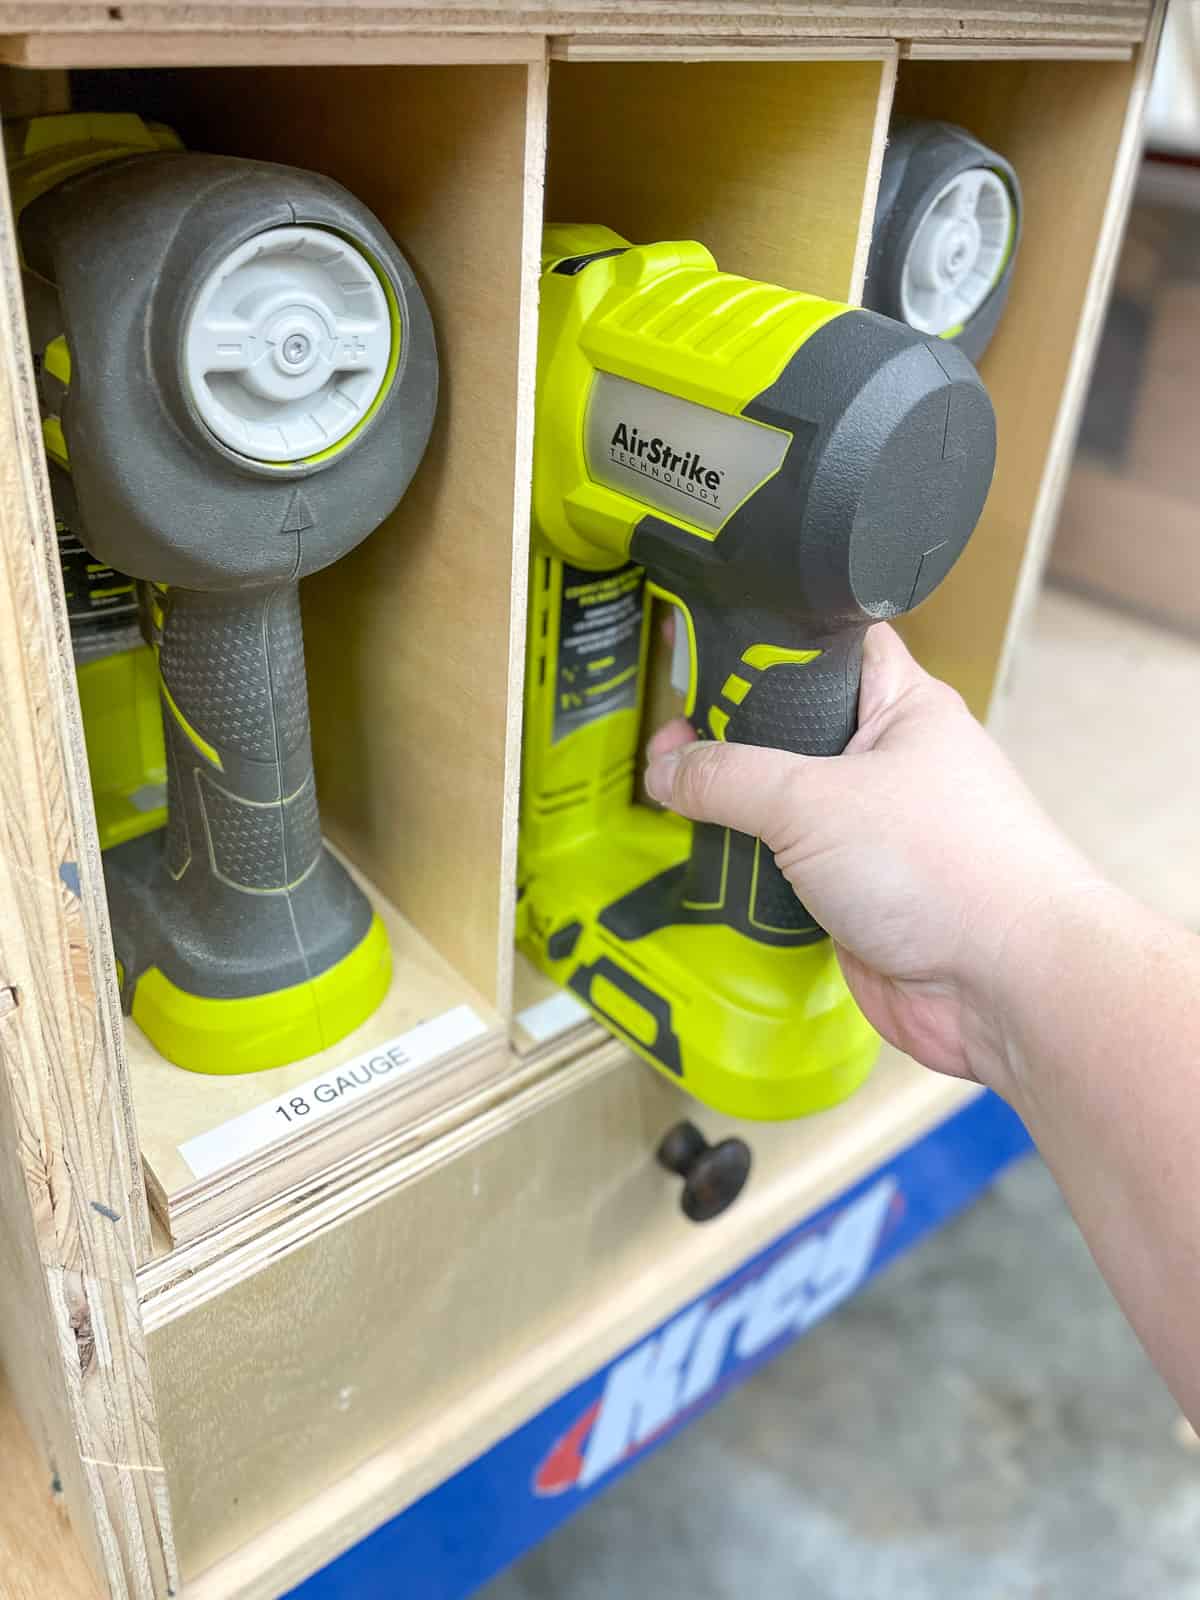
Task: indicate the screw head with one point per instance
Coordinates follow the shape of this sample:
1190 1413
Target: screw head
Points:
295 349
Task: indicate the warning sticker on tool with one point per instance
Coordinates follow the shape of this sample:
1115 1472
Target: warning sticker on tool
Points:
599 646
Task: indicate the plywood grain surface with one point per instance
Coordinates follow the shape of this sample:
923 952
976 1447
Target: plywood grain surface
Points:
40 1557
72 1205
34 20
765 162
556 1252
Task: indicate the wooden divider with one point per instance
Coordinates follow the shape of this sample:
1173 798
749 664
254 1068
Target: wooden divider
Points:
1060 124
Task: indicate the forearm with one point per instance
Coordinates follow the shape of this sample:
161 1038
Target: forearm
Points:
1099 1012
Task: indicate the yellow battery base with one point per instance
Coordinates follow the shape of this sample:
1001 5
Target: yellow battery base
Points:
753 1031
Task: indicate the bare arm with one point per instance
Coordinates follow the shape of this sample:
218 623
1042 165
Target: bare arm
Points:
976 938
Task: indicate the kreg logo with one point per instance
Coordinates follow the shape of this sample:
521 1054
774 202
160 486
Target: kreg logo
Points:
672 1372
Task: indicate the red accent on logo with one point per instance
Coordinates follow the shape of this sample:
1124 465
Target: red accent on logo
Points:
561 1468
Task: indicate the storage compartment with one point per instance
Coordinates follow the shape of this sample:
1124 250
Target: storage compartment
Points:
1059 123
408 638
770 164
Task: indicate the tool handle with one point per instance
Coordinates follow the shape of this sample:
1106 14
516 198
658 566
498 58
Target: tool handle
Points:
749 692
809 708
241 796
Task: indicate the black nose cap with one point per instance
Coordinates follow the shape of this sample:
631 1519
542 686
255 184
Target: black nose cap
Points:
895 447
922 496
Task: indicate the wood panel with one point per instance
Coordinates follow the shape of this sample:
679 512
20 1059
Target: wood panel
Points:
672 19
1061 125
409 638
1019 50
71 1199
40 1557
233 48
765 162
531 1247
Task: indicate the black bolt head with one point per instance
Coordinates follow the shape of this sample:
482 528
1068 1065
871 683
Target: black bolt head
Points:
713 1175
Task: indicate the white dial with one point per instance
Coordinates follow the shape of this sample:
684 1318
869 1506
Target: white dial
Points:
958 252
288 344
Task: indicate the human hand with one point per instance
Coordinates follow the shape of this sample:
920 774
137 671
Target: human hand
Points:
919 849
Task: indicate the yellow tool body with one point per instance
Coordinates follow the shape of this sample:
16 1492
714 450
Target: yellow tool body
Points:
237 378
785 470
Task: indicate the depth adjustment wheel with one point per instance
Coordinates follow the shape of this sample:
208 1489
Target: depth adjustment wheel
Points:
956 257
947 230
289 344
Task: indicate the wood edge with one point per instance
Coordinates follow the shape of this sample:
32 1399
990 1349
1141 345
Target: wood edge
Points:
879 138
1015 50
205 1208
54 632
255 46
175 1283
213 1197
588 47
386 1483
70 1145
1062 443
40 1552
537 109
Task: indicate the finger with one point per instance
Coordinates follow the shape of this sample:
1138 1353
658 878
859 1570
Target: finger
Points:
740 786
671 736
888 674
668 625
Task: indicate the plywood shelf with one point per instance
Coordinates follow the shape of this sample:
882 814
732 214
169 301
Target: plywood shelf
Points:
205 1168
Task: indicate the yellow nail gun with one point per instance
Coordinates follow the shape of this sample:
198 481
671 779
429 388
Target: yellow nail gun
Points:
786 470
237 377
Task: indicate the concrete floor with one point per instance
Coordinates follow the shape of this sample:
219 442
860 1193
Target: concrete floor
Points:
979 1423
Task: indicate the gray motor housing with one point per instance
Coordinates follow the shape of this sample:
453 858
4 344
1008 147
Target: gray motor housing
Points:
920 159
127 247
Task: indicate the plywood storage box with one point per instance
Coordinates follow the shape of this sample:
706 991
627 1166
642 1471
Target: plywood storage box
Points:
230 1374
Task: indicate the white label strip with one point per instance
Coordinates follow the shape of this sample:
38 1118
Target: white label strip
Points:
553 1016
349 1083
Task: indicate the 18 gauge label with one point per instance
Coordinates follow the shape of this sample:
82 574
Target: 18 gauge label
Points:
302 1105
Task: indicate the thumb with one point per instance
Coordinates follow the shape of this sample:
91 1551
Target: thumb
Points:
747 787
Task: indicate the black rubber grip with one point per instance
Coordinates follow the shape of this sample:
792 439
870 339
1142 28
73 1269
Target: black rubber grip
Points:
807 707
241 796
810 708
